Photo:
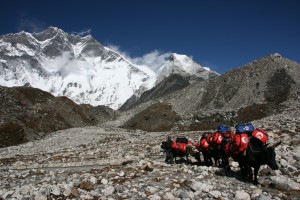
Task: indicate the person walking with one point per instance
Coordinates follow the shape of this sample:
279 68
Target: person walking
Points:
169 155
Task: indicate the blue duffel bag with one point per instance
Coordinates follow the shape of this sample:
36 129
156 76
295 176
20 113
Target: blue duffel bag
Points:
244 128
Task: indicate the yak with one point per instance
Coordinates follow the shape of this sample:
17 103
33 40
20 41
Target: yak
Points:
216 151
256 155
189 149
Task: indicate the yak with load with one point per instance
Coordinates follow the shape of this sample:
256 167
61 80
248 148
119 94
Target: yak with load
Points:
249 147
181 148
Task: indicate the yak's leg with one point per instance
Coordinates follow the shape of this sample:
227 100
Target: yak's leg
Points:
249 173
243 169
209 161
169 157
207 158
188 161
217 161
256 169
197 156
226 163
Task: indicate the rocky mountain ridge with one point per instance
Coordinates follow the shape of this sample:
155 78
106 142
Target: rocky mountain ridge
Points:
253 91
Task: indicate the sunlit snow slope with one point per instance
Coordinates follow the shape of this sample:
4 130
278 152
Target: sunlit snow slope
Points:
70 65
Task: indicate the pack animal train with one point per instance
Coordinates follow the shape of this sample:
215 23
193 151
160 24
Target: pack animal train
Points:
248 146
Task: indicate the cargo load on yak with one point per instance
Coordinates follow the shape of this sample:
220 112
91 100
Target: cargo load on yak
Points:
182 139
180 144
237 145
202 144
222 128
247 128
182 147
261 135
216 138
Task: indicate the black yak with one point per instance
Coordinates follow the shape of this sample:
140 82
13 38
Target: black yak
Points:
257 154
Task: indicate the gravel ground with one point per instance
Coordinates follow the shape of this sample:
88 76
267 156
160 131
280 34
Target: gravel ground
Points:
112 163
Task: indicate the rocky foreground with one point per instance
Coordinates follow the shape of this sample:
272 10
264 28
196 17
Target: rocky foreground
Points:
112 163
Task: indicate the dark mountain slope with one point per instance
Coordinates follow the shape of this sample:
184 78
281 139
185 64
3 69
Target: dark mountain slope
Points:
157 117
169 85
28 113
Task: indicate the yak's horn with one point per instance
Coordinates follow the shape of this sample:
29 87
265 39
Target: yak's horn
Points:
276 144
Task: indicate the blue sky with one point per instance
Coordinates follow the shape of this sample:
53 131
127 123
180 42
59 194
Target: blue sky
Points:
220 34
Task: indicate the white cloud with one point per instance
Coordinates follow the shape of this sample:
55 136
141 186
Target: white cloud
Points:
65 65
118 50
154 60
83 32
30 24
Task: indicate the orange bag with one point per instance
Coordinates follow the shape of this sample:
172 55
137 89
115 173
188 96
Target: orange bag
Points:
261 135
174 145
182 147
217 138
238 144
204 144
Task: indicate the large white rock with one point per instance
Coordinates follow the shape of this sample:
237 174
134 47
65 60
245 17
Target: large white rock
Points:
154 197
256 193
104 181
93 180
199 186
216 194
242 195
67 190
152 189
283 163
109 190
284 183
7 194
169 196
55 190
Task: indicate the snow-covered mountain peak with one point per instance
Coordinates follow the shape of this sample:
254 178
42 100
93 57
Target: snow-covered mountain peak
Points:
80 67
69 65
49 33
185 66
183 62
